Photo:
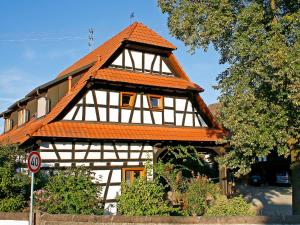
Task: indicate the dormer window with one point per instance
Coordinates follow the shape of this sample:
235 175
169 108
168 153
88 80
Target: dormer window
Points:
142 62
8 125
23 116
42 106
156 101
127 99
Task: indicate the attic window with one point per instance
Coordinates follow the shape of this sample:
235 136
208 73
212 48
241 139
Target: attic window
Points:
156 101
8 125
127 99
42 106
23 116
145 62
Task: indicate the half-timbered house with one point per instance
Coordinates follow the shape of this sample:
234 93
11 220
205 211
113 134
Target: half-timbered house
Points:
113 109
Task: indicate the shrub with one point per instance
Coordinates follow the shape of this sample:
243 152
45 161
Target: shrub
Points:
199 195
71 191
14 186
236 206
143 198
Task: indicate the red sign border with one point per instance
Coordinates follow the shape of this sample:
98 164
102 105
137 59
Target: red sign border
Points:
40 161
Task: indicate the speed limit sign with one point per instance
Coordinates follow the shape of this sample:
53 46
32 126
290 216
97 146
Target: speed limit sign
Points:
34 162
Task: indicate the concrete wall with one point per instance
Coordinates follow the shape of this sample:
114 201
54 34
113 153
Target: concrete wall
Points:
47 219
14 218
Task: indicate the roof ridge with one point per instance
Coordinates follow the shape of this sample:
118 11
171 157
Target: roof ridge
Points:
135 25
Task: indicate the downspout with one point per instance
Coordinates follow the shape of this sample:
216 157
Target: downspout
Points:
69 84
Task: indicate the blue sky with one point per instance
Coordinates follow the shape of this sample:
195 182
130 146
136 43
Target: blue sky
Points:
39 39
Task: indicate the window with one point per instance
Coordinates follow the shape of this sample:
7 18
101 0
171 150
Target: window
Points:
23 116
156 101
8 125
127 99
142 62
42 106
129 175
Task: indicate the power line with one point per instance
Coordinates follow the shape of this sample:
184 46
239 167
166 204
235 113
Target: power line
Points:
44 39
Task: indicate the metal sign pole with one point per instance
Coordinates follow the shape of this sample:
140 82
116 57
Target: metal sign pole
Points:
31 199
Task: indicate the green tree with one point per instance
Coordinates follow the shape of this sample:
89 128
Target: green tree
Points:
14 185
260 89
70 191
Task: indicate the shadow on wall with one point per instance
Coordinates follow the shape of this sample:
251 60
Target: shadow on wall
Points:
269 200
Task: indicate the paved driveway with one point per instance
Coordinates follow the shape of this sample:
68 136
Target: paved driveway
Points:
269 200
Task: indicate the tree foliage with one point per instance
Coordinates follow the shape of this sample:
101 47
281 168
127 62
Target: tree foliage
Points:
144 198
14 185
70 191
260 89
236 206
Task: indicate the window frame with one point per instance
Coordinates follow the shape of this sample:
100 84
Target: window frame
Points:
24 116
47 106
132 169
160 103
131 101
8 124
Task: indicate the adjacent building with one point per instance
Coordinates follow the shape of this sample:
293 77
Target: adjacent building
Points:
114 109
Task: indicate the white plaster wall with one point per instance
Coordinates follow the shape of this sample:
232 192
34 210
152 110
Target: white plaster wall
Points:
168 102
125 115
156 64
118 61
136 117
169 115
188 120
63 145
128 62
165 68
101 97
114 98
70 114
147 117
179 118
148 60
180 104
89 97
79 114
90 114
81 145
102 112
113 115
137 57
48 155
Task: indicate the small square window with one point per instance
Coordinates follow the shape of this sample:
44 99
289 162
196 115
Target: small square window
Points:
127 99
156 102
129 175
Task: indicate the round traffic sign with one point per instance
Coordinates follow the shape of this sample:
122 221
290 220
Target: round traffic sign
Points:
34 162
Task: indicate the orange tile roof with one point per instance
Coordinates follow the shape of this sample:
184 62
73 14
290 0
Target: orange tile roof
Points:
143 34
18 135
136 32
23 133
124 76
90 130
35 126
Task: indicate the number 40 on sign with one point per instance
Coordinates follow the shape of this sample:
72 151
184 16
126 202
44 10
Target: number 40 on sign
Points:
34 162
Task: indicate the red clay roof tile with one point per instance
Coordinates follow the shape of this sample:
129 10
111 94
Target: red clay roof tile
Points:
131 77
127 132
136 32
